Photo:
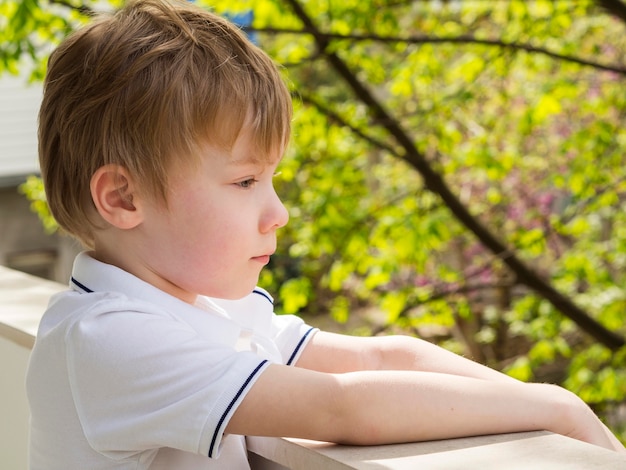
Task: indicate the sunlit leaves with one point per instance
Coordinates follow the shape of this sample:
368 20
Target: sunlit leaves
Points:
33 189
597 376
295 294
28 31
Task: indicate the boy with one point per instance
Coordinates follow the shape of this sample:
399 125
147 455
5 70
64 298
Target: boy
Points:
160 131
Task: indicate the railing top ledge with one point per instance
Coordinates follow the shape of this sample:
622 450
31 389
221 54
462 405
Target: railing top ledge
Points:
517 451
23 299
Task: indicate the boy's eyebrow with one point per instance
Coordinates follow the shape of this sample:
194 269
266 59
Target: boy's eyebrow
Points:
245 161
254 161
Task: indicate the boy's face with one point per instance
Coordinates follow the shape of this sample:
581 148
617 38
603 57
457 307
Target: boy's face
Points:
219 229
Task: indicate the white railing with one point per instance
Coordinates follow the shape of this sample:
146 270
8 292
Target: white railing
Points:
23 299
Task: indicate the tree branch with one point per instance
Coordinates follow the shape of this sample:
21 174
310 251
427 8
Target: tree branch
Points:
435 183
462 289
82 8
615 8
339 120
463 39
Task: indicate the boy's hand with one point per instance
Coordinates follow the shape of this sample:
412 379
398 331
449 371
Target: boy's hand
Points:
579 421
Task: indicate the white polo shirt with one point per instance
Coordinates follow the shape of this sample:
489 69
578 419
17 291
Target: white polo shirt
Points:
125 376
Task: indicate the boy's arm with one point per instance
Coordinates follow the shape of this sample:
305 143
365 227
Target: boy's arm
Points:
379 407
335 353
329 352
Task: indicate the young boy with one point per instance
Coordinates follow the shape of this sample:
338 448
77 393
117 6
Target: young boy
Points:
160 131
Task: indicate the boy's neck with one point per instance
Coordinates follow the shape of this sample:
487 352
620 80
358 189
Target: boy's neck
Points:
133 264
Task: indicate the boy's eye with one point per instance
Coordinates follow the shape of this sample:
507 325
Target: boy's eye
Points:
250 182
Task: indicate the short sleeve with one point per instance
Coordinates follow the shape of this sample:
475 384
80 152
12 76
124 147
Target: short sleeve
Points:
290 334
147 380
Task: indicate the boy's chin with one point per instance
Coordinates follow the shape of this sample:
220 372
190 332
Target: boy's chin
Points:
236 294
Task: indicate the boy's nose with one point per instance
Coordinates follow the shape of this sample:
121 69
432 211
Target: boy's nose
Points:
283 215
276 214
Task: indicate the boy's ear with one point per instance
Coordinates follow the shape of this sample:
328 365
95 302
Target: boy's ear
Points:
115 196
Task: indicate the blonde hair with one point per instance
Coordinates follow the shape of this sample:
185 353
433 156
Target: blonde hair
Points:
142 89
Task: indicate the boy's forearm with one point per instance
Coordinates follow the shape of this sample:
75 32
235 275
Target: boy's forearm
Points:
386 407
329 352
389 407
407 353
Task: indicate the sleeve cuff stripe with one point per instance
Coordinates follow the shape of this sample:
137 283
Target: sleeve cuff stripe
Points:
299 346
231 404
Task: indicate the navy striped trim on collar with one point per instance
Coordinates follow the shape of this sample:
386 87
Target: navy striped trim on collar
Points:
83 287
263 294
80 286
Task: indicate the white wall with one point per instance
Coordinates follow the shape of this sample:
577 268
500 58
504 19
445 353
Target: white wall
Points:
19 105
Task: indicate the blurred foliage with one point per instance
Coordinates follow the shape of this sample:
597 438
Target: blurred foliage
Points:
33 189
519 105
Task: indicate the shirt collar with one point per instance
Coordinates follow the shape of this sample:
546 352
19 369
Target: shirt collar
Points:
90 275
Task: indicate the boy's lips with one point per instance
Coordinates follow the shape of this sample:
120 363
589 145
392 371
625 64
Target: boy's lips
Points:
263 258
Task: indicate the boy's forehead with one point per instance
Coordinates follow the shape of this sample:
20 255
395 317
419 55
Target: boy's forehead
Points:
244 153
255 160
244 148
237 159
